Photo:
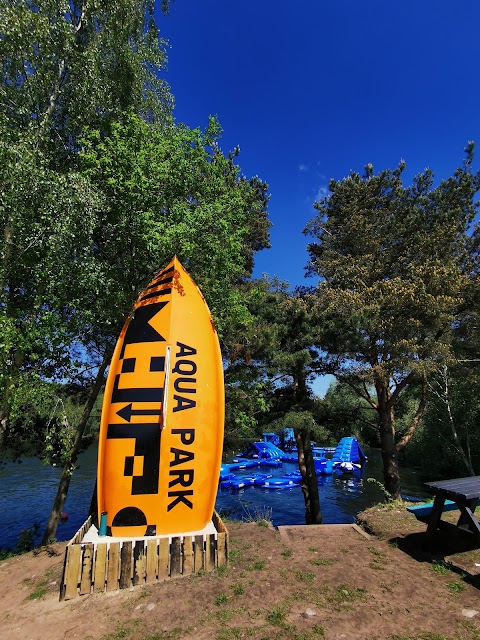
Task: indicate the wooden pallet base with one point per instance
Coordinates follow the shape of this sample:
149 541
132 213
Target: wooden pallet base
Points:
98 567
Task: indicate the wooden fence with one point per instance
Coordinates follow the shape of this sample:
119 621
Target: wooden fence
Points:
108 566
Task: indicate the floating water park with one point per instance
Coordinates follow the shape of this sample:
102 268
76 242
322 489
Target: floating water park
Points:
266 460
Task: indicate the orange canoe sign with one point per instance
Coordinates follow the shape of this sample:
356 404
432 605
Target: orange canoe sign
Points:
161 432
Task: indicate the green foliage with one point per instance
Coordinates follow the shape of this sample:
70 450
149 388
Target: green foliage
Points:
397 271
448 441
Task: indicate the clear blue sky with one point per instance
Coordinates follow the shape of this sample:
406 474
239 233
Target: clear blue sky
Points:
314 88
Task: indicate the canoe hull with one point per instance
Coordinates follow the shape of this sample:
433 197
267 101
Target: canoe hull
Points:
161 433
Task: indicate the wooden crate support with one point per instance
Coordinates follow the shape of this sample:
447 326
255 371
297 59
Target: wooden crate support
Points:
108 566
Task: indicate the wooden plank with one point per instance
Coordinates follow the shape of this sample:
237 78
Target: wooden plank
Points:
112 567
126 565
218 522
87 566
163 559
62 582
72 571
187 568
152 560
199 556
139 562
175 557
100 566
212 555
222 549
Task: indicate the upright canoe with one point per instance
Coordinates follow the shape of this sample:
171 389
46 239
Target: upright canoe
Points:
161 432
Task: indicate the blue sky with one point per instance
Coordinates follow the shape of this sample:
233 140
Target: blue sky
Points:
312 89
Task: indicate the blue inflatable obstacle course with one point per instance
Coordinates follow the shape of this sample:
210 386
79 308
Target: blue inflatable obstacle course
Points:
289 480
273 438
348 458
263 451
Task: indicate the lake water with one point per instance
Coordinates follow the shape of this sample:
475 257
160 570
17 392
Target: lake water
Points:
27 491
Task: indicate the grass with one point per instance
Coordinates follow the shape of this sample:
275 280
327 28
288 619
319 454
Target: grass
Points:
441 568
234 554
277 616
287 553
455 587
124 630
344 594
221 599
237 588
321 562
305 576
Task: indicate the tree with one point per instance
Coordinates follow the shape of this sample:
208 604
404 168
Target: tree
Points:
166 190
397 273
284 359
344 413
66 65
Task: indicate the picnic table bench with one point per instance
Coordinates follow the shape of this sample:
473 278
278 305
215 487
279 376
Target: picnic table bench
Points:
459 493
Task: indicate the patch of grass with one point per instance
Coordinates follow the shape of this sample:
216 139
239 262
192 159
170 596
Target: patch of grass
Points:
39 592
440 567
234 554
321 562
312 549
277 617
237 588
221 570
234 633
343 593
124 630
377 566
317 631
455 587
420 636
258 565
287 553
166 635
305 576
225 615
221 599
376 552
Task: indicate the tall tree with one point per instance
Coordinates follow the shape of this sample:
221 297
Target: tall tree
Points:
166 190
66 65
397 273
285 357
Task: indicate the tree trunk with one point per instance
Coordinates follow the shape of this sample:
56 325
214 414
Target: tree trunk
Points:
386 417
306 465
69 466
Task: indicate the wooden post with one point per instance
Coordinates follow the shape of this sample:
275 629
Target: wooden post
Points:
199 556
139 563
87 566
100 566
163 559
113 562
187 556
126 565
72 571
175 559
152 560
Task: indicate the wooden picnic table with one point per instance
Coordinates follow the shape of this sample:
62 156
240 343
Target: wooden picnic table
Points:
465 492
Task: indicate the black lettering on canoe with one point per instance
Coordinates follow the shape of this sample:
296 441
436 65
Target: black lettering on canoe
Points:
187 436
185 368
180 497
183 477
185 350
183 403
180 456
185 381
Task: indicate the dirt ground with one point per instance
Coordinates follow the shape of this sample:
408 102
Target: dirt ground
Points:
299 583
